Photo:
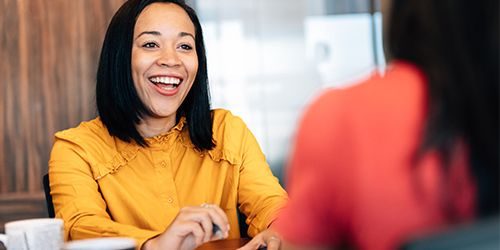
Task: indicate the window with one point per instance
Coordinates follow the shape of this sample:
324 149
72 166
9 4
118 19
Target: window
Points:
267 59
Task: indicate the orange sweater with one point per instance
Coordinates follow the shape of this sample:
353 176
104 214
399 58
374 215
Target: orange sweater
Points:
351 175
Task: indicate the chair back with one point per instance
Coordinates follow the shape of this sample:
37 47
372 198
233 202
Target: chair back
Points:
48 197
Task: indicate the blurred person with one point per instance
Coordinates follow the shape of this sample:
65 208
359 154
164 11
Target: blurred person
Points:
157 164
409 151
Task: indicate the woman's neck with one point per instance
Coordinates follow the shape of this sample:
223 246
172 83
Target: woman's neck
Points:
151 126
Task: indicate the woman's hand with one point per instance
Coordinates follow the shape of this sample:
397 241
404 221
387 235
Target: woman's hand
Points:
267 238
192 227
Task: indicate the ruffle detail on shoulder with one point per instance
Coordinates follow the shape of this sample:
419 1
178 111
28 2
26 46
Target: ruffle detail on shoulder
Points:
92 130
225 125
119 160
224 155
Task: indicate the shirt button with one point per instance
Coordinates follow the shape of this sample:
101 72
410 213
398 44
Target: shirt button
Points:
170 200
163 163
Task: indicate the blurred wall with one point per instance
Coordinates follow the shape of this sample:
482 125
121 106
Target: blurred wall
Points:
268 59
49 51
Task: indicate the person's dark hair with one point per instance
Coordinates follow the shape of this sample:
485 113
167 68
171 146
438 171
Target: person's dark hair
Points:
118 103
456 44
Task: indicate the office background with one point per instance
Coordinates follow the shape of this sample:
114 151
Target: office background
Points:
266 58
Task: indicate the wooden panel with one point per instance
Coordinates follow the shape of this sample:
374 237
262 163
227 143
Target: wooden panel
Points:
49 50
21 206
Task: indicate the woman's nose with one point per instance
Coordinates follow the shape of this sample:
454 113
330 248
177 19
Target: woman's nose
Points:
168 58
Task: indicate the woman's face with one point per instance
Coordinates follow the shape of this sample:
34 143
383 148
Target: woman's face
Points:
164 59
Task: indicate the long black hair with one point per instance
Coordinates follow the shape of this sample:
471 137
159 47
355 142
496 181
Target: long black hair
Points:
118 103
456 44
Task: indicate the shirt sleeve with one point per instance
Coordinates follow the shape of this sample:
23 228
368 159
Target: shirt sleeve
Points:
260 196
318 207
77 199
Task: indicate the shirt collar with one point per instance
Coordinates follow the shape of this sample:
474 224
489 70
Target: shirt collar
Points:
168 137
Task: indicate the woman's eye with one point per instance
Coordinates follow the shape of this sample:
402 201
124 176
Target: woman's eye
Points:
149 45
186 47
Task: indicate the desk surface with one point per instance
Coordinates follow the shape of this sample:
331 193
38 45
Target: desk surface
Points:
214 245
224 244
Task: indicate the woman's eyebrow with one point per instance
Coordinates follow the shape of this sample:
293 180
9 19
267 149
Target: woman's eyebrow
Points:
157 33
154 33
182 34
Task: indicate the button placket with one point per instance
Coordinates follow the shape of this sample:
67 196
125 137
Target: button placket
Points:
166 188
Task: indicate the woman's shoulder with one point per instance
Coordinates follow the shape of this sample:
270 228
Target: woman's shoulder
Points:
399 88
86 132
91 141
229 131
223 118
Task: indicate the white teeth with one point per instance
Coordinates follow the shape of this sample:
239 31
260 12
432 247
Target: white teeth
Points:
169 87
166 80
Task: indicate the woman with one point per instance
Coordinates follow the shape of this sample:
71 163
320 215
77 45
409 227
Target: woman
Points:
407 152
157 164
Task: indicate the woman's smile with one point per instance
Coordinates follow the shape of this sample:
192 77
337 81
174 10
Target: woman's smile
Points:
166 85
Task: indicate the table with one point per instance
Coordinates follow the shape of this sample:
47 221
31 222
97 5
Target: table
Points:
224 244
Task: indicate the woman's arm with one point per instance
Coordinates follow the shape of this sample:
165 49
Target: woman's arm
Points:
77 199
260 196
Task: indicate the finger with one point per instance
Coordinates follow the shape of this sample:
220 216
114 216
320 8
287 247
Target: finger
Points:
255 243
203 219
197 232
273 243
218 210
219 218
206 214
221 213
207 226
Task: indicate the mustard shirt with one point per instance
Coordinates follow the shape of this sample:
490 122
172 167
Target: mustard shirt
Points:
102 186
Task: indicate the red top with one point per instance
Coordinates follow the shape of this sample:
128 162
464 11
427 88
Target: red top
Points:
351 176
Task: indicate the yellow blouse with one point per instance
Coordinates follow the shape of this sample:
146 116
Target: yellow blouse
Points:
102 186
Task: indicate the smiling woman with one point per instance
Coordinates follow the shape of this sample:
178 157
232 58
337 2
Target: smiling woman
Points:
158 164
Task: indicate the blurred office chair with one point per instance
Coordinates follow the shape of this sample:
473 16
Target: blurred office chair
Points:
481 235
243 225
48 197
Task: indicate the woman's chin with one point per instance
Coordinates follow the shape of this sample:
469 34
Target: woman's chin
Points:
161 114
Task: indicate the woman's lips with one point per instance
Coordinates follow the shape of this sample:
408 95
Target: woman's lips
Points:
166 85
